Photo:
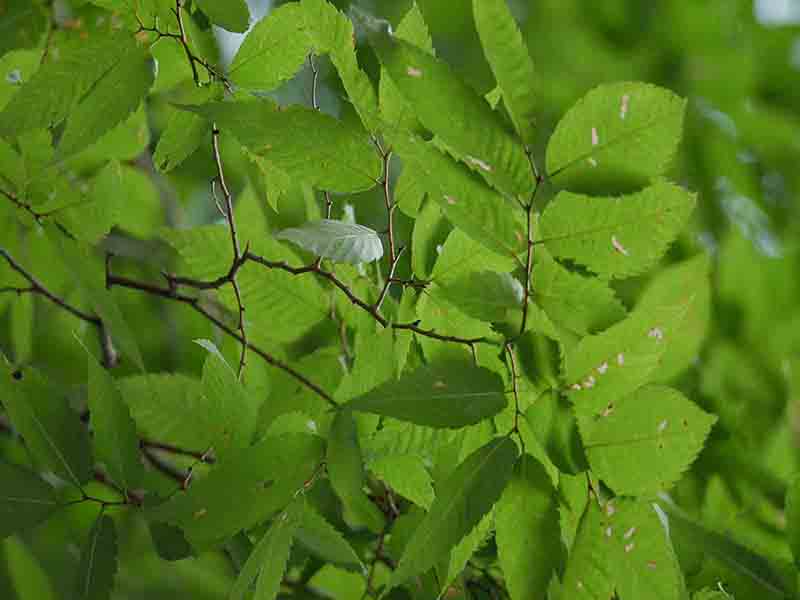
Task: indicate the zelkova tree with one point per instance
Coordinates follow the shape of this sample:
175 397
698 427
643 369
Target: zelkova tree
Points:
454 403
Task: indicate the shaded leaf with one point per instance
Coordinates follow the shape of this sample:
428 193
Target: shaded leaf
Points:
485 295
232 15
183 134
462 501
406 475
325 541
98 564
336 240
25 500
446 394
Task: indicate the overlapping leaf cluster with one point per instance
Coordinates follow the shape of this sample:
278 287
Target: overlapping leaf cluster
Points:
455 397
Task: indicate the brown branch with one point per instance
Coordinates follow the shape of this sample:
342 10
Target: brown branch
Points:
171 293
156 445
110 356
529 241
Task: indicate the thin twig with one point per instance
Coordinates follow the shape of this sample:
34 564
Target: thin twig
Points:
529 241
110 357
512 364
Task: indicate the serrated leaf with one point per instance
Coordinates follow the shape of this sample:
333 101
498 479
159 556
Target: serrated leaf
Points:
336 240
406 475
510 61
53 433
16 68
244 490
267 561
430 231
447 394
453 566
654 426
98 566
528 536
466 201
622 546
581 304
99 211
232 15
346 470
484 295
112 98
228 405
183 134
616 138
54 90
616 236
602 368
325 541
115 440
25 500
462 501
689 279
469 127
333 155
273 51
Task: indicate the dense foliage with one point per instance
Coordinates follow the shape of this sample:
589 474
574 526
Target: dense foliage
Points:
408 300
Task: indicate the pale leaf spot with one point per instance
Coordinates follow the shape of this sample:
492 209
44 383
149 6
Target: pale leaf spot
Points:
602 368
477 162
609 532
576 387
14 77
620 359
618 246
629 534
629 547
439 385
656 333
595 137
580 585
651 564
519 236
623 109
450 200
607 411
610 508
312 426
592 162
439 249
662 426
413 72
200 513
589 382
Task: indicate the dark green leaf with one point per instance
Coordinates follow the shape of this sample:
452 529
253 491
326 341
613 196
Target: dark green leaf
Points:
446 394
232 15
98 566
25 500
325 541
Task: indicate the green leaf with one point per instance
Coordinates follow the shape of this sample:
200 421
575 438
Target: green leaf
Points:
792 510
618 137
511 64
616 236
112 99
462 501
23 25
232 15
430 231
602 368
228 405
528 535
581 304
23 575
52 432
447 394
332 155
115 440
622 546
60 84
336 240
98 566
406 475
466 201
325 541
273 51
267 561
346 470
485 295
25 501
654 426
469 126
183 134
93 218
247 488
16 68
686 280
331 31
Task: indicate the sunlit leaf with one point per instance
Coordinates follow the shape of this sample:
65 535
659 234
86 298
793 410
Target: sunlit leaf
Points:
336 240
